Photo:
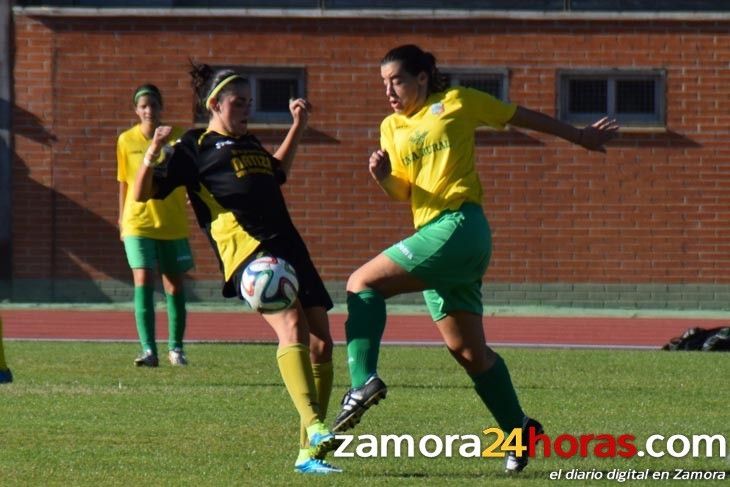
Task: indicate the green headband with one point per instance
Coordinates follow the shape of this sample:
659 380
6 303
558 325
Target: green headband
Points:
219 87
145 91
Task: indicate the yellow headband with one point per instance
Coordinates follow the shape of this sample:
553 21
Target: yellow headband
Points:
218 88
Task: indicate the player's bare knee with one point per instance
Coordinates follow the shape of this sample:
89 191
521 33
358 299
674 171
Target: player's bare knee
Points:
473 361
320 349
357 282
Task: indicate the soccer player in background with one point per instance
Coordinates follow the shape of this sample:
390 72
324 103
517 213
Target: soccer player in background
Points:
427 159
155 235
233 184
5 375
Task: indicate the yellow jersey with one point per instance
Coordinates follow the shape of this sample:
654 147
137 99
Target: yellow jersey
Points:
433 149
159 219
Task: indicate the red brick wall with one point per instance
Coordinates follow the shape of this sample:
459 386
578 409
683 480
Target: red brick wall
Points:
655 209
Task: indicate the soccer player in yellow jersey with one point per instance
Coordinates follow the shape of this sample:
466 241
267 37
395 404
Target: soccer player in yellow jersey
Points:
234 186
155 235
427 158
5 375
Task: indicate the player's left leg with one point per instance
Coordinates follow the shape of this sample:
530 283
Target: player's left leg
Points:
463 334
320 353
311 460
175 258
464 337
455 305
176 317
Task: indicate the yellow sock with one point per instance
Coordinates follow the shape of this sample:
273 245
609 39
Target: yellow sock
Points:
3 365
323 377
296 370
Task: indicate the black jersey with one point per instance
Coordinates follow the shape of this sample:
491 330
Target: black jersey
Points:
234 187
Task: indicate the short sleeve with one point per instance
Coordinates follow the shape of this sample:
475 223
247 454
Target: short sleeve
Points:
279 173
177 169
486 109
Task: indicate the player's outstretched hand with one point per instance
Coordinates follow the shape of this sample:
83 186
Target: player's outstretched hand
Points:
594 136
379 165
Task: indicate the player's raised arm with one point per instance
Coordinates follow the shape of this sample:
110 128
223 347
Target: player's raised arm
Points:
300 110
143 186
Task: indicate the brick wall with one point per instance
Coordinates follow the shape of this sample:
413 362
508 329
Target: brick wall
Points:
654 210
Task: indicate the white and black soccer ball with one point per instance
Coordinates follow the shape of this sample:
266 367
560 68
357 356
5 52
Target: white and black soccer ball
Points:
269 284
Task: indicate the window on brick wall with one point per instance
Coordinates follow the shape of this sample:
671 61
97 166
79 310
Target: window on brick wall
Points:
493 82
271 89
634 98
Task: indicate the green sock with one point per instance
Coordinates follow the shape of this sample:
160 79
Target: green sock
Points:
364 329
176 316
144 314
495 388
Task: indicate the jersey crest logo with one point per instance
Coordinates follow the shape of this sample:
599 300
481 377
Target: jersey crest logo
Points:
437 108
418 137
223 143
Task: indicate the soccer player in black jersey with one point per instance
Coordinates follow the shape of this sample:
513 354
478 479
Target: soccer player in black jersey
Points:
233 184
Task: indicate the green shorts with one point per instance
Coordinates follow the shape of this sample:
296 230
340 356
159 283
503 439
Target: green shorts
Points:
450 254
172 256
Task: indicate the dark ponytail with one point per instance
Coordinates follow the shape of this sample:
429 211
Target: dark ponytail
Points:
205 79
415 61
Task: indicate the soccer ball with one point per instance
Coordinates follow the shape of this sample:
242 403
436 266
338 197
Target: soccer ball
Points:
269 284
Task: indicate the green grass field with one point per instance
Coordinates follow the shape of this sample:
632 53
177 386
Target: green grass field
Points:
81 414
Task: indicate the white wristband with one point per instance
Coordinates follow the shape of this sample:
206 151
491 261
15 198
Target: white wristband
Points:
148 163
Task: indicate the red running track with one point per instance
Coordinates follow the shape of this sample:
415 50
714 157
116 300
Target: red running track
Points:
249 327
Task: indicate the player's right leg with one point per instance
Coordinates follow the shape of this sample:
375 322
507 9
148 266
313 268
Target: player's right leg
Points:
295 366
141 256
367 289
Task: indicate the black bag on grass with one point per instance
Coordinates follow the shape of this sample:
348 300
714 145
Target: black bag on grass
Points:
704 339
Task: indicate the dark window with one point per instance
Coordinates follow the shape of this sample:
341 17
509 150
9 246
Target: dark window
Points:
634 98
274 94
587 95
492 82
